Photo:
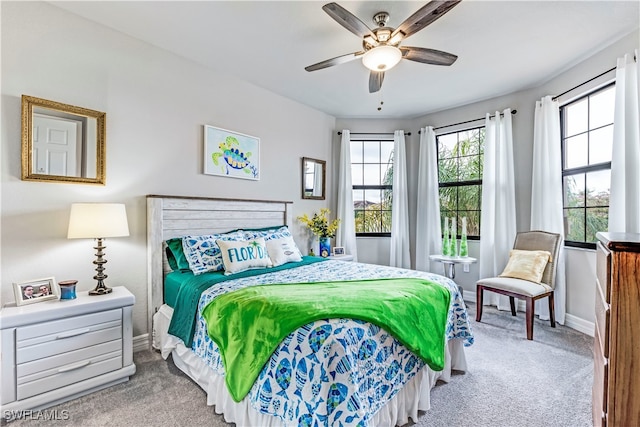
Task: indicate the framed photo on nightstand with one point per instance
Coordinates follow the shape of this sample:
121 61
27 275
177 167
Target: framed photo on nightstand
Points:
338 250
36 291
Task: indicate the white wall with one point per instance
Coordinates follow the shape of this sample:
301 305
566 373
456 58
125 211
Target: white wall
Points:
580 263
156 105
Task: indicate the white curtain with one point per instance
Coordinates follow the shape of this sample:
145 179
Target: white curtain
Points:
546 193
400 256
624 203
428 230
498 223
346 234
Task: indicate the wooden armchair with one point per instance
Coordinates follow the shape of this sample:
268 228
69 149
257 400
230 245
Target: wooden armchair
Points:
525 289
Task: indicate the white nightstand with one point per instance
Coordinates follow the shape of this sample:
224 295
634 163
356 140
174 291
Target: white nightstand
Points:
344 257
55 351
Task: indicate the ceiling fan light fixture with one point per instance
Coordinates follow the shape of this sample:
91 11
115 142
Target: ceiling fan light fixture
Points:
381 58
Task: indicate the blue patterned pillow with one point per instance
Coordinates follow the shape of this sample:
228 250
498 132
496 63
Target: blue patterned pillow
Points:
203 253
268 233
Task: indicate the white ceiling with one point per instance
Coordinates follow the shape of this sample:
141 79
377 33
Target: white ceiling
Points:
502 46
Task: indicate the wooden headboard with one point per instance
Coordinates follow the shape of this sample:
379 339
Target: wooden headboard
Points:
176 216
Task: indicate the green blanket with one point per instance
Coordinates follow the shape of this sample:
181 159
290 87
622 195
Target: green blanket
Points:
183 321
249 324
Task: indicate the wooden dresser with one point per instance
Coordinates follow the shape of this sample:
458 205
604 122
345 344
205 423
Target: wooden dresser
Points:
616 385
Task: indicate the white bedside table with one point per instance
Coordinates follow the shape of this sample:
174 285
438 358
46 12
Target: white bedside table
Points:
58 350
345 257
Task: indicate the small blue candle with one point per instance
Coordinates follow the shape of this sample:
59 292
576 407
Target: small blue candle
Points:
68 289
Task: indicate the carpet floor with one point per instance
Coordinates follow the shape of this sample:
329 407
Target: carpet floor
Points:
510 382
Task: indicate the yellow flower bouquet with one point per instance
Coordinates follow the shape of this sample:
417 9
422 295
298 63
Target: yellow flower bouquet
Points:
319 223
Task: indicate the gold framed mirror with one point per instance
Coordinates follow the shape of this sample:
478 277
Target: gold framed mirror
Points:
314 175
62 143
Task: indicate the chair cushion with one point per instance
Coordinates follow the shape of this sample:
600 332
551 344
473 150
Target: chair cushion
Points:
526 265
519 286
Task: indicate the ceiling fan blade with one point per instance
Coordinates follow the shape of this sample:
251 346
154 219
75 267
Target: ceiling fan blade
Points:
334 61
427 56
425 16
348 20
375 81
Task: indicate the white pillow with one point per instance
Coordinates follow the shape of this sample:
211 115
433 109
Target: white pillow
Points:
243 255
283 250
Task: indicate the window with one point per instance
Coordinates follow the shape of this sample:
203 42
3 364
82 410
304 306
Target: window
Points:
372 180
587 138
460 160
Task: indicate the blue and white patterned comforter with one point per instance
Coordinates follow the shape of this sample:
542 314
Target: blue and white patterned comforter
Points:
337 371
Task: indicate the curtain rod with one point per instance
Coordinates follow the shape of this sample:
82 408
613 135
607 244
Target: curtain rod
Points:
583 83
374 133
469 121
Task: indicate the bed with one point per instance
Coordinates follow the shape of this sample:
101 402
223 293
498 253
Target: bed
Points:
335 371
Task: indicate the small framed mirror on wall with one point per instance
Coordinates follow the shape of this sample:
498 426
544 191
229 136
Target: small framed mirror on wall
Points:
314 176
62 143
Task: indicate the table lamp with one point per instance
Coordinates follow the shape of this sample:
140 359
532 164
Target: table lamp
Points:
98 221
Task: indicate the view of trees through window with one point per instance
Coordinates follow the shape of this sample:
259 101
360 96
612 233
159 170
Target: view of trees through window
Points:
372 181
460 161
587 138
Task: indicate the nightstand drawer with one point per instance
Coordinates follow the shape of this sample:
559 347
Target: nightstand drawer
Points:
55 378
39 368
44 340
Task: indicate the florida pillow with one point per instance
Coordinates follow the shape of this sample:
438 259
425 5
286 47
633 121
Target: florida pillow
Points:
203 253
243 255
283 250
526 265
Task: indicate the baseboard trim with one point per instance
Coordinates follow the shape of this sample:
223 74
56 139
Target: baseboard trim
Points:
469 296
141 342
579 324
570 321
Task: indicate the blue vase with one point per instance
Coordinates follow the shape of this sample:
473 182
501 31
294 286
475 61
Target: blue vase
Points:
325 246
68 289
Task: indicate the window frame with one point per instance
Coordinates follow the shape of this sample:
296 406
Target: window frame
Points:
581 170
365 187
461 183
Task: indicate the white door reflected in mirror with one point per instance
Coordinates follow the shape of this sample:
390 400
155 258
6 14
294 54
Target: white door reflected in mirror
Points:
61 142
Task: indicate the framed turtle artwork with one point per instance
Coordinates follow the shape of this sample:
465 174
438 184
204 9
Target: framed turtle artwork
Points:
231 154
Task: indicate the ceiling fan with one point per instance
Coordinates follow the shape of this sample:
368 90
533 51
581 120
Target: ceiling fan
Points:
381 46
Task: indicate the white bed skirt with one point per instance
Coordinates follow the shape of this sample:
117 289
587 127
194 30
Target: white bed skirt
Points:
413 397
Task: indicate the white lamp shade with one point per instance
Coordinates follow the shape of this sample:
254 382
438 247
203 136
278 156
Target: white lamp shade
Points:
382 58
97 220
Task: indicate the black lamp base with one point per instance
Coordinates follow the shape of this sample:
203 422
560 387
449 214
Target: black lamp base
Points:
100 289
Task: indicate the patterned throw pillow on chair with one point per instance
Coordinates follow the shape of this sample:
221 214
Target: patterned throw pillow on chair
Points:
526 265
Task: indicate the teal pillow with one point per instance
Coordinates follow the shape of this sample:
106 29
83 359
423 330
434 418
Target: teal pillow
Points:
175 255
